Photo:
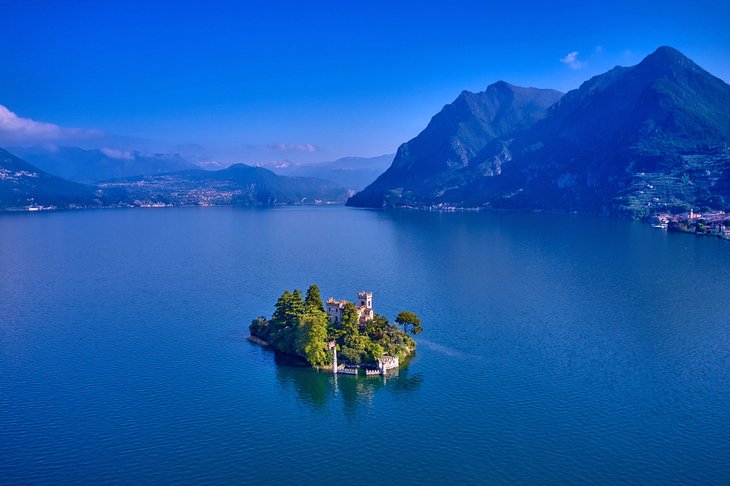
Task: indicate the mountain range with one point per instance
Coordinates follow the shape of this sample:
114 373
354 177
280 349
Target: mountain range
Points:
24 186
239 184
633 141
91 165
352 172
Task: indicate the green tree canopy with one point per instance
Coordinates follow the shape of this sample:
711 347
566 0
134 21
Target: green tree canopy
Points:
285 311
297 303
350 320
312 338
376 327
285 320
313 299
375 351
409 319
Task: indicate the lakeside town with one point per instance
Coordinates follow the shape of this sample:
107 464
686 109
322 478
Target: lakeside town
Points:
715 223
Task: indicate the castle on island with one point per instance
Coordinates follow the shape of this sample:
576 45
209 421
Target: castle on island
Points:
364 305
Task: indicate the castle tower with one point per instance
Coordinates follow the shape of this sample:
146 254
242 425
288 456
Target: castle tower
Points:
365 299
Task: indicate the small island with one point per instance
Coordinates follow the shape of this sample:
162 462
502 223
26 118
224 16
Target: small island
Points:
340 336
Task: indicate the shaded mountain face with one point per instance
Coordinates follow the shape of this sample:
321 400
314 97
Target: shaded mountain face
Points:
633 141
352 172
23 185
438 156
238 184
91 165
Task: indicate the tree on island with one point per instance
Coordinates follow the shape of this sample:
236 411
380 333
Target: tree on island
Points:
350 320
377 327
285 320
312 338
407 319
313 299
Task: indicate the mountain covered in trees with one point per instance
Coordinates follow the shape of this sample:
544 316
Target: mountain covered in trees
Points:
300 326
634 141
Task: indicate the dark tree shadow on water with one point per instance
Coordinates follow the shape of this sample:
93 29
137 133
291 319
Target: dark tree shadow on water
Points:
313 388
317 388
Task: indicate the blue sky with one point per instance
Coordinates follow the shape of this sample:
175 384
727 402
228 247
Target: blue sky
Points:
308 81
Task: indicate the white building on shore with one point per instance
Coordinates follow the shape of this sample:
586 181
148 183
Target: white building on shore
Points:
386 363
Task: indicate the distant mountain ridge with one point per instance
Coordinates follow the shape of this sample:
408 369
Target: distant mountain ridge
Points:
238 184
633 141
453 138
352 172
92 165
23 185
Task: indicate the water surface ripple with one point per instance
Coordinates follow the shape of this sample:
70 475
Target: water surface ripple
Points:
557 349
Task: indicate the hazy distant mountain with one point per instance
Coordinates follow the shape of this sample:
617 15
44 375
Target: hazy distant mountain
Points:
238 185
211 165
23 185
91 165
437 157
652 137
351 172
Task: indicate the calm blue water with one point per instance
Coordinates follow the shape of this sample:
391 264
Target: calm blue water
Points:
557 349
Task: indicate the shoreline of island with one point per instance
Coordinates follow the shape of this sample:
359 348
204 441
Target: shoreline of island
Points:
337 335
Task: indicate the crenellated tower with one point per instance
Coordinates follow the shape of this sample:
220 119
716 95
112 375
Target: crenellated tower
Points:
365 298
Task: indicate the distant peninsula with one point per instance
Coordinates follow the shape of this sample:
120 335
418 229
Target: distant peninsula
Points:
346 337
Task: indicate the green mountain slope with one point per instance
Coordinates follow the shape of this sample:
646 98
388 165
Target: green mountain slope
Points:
440 156
633 141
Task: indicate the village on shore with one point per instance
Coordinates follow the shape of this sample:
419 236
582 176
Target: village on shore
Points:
714 223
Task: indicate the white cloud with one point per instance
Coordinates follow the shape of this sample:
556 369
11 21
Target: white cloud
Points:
572 60
293 147
117 154
14 128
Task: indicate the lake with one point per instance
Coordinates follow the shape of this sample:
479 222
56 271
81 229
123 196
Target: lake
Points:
557 349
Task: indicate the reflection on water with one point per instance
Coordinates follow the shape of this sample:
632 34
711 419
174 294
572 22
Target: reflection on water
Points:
317 388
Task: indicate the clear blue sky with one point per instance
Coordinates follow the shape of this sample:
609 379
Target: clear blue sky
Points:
256 81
